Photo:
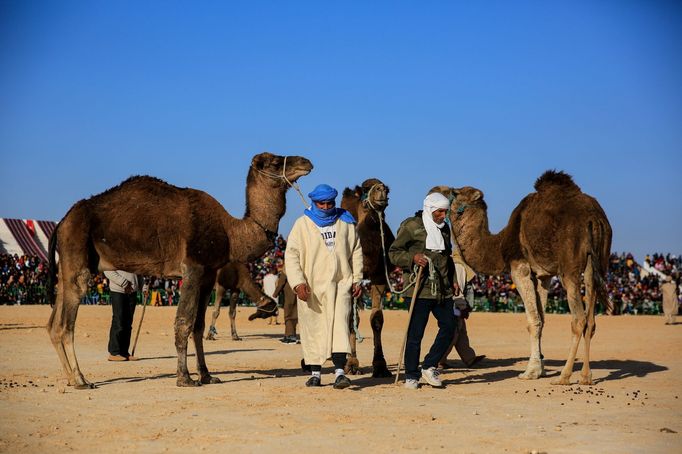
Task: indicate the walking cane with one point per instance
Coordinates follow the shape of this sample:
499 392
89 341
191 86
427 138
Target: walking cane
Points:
409 318
139 326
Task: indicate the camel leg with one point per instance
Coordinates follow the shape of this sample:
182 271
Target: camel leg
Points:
198 333
376 320
522 277
62 324
542 289
590 301
578 320
185 317
234 298
78 292
56 327
353 365
212 331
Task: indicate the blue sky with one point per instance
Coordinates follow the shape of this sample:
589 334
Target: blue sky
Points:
488 94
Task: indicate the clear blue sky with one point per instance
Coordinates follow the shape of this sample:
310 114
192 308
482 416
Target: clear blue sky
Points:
488 94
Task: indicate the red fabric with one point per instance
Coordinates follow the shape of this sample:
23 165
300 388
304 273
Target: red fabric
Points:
31 227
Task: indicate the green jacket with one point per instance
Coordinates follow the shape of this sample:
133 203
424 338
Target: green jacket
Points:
410 240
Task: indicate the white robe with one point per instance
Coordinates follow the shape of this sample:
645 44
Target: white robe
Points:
323 319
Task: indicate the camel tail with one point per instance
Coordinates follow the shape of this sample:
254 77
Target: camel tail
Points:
52 266
600 244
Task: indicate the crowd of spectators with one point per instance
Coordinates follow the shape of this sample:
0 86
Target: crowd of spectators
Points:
632 288
22 279
636 289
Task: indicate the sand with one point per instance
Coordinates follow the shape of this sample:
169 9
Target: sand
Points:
263 406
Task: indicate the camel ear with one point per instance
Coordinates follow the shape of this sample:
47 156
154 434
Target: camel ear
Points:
477 195
260 160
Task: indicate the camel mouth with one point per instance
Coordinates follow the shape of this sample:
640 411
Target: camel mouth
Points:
298 167
296 173
380 203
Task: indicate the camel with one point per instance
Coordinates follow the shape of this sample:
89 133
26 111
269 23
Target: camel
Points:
149 227
235 276
367 204
556 231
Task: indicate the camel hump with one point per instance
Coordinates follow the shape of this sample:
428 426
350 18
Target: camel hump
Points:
350 193
140 181
553 179
144 180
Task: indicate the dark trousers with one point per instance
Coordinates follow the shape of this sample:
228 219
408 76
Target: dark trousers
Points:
290 315
443 312
339 360
123 308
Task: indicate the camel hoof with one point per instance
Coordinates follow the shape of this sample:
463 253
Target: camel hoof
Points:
85 385
187 383
353 367
236 338
379 370
562 381
267 311
212 332
354 371
585 381
531 375
209 380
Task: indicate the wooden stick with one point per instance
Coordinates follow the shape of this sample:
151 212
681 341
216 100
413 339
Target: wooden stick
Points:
139 326
409 318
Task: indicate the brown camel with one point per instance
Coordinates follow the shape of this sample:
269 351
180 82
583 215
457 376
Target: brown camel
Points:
556 231
149 227
235 276
367 204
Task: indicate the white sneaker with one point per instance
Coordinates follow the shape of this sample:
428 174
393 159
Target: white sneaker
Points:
411 383
431 376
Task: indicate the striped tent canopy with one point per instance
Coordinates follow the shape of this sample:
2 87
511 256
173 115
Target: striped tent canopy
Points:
26 236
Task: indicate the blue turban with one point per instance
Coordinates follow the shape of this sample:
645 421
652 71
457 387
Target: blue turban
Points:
325 218
323 193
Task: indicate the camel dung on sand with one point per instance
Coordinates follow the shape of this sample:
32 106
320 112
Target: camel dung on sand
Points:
367 204
235 276
149 227
556 231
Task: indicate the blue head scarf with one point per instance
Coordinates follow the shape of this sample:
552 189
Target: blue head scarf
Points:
325 218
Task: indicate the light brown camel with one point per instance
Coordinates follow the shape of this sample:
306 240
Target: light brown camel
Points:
556 231
367 204
149 227
235 276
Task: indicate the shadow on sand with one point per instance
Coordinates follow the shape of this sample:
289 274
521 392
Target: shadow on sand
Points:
618 370
6 326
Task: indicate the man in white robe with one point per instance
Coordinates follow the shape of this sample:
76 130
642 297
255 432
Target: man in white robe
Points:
323 262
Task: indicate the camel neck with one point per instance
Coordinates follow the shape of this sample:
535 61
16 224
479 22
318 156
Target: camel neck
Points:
265 204
367 215
480 249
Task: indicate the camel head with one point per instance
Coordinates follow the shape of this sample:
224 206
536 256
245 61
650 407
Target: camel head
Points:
465 199
447 191
278 169
374 193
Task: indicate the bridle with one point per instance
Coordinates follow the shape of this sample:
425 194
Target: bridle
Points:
269 234
367 196
283 176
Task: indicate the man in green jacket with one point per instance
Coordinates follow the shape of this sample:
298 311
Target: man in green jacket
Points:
424 240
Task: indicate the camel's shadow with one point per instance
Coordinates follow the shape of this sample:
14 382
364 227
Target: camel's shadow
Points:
216 352
7 326
618 369
253 375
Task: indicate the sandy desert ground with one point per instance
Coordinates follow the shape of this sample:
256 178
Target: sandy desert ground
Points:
262 405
